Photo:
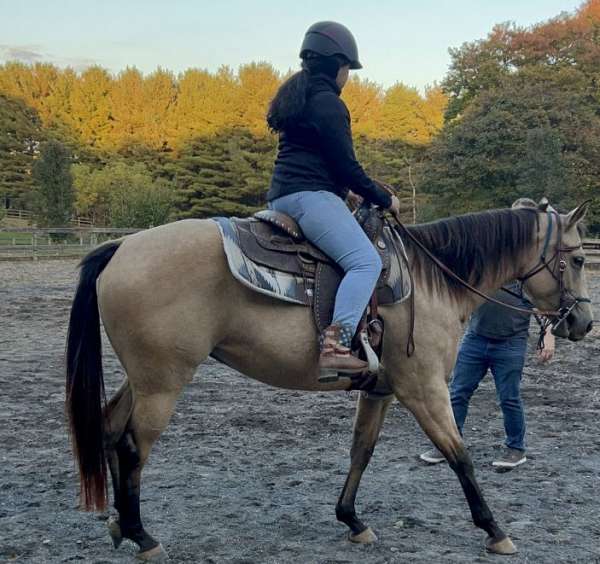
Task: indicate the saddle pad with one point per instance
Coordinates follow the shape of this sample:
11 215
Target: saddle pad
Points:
297 289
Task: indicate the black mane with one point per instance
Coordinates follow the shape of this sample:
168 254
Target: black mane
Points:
474 246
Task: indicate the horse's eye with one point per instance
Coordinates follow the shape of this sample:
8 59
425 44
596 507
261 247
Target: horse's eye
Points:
578 261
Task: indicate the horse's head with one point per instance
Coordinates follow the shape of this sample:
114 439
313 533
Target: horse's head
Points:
554 276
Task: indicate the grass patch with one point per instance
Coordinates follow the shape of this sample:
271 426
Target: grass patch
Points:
13 237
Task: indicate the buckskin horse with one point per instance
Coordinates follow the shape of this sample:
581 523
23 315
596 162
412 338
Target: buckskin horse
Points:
168 300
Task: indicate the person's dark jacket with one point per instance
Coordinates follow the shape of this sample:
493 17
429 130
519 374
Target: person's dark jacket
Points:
493 321
317 152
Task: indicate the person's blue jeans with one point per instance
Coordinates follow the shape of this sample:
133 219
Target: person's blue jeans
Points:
505 359
327 222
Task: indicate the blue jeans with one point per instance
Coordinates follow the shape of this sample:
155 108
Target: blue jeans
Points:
505 358
327 222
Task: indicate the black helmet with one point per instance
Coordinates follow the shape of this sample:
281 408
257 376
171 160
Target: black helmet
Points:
331 38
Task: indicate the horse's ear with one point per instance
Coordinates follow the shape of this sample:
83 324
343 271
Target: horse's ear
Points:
543 204
577 214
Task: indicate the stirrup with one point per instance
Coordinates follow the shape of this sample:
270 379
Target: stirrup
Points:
372 359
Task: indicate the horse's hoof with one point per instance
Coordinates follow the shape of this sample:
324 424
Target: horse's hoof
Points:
504 546
114 530
157 555
366 537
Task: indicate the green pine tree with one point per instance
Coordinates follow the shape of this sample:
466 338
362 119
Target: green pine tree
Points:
55 195
20 134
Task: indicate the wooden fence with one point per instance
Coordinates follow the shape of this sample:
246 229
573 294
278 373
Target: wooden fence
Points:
592 253
25 243
24 218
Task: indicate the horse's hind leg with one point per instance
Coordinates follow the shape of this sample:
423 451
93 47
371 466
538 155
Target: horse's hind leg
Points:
151 414
116 417
124 462
370 414
433 412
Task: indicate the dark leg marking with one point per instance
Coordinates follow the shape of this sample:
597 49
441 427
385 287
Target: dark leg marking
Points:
128 492
482 516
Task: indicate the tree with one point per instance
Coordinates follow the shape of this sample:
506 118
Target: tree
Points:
159 99
122 195
54 185
226 174
90 105
20 135
205 103
364 99
567 41
402 116
397 163
127 108
258 83
537 135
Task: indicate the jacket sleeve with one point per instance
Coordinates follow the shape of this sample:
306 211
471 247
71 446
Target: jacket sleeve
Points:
332 122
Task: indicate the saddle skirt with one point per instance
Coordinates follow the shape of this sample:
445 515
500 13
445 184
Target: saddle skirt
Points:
269 254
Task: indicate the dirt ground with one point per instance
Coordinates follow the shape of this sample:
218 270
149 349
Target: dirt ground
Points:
250 474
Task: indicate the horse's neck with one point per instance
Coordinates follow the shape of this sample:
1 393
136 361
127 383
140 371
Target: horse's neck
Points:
483 256
463 305
473 301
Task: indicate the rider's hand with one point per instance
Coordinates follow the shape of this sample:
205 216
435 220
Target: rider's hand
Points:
354 200
395 207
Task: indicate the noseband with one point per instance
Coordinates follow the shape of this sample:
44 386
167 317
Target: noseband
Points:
556 266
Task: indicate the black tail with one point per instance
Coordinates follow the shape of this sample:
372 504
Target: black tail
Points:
85 383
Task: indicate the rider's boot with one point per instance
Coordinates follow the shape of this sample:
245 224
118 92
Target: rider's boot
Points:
336 355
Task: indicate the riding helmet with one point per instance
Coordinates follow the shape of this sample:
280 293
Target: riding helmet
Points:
331 38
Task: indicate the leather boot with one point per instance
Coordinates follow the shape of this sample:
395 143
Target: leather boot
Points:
335 354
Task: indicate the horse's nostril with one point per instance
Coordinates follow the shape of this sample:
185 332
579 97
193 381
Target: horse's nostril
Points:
590 327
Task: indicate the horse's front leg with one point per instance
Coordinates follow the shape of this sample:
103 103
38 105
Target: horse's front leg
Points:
433 411
370 414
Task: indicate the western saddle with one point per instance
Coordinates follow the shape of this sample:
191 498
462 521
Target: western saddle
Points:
269 253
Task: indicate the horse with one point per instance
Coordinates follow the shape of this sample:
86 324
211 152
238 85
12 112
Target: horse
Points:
168 300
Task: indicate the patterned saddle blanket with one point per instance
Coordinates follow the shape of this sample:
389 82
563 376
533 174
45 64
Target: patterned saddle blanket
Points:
269 254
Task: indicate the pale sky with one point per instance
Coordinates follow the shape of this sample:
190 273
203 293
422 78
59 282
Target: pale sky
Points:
399 40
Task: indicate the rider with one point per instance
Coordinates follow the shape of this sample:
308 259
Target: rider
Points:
315 168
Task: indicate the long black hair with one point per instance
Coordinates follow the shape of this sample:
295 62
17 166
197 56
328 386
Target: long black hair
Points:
289 101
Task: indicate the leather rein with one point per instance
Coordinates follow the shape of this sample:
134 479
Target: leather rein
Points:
556 265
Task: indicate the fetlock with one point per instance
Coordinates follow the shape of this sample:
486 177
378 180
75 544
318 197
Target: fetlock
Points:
336 354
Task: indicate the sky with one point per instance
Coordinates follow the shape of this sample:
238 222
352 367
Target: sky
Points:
399 40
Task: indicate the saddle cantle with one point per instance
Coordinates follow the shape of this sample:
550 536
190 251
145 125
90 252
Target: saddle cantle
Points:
269 254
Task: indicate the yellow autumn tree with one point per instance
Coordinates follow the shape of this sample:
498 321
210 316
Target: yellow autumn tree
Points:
159 99
258 83
205 103
363 99
90 105
402 116
434 108
127 108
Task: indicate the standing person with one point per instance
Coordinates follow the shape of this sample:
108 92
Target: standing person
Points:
496 339
314 169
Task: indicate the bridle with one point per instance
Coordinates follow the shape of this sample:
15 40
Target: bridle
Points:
556 265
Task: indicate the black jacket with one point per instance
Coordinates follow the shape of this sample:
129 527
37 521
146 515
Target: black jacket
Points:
317 153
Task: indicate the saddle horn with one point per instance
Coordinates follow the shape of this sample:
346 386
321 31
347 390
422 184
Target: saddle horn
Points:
543 204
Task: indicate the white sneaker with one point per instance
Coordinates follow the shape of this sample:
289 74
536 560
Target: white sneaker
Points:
511 458
433 456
